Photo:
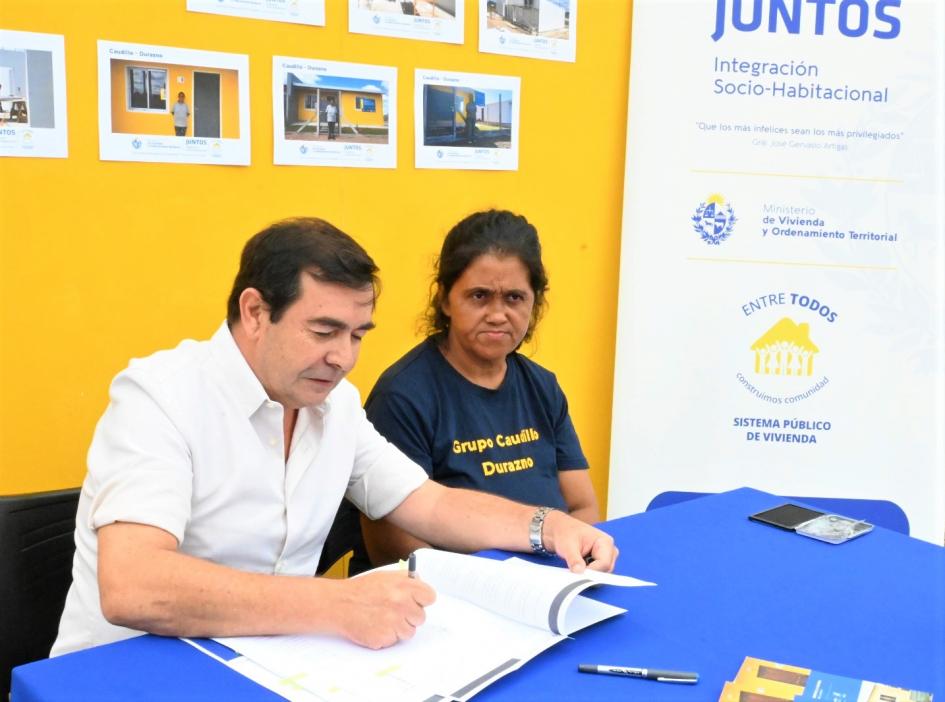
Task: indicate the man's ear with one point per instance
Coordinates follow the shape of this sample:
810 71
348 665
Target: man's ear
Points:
254 312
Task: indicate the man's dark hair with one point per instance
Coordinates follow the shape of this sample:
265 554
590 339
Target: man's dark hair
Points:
274 259
498 232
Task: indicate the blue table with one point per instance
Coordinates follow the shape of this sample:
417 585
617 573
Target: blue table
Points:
872 608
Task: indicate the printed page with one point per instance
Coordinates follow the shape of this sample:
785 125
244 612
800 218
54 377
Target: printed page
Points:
532 594
458 650
490 617
599 578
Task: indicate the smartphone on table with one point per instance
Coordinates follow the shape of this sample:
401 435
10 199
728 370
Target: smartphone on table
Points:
786 516
832 528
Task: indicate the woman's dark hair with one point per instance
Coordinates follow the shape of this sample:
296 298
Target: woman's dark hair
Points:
497 232
274 259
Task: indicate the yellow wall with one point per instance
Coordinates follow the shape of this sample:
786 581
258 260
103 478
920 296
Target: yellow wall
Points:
352 115
103 261
179 78
304 114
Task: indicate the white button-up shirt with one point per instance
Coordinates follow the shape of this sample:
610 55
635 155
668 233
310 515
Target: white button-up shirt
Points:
190 443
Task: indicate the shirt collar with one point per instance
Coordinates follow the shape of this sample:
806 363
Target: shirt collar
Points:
238 378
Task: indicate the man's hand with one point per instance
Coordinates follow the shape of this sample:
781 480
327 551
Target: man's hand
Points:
576 542
383 608
468 521
148 585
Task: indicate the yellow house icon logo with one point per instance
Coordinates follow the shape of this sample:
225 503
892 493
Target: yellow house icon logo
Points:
785 349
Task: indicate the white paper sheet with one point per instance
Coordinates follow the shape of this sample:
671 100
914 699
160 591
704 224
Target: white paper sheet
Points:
295 11
430 20
138 87
365 97
445 138
548 31
32 95
462 646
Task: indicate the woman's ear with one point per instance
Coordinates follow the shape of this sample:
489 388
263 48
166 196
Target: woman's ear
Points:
443 301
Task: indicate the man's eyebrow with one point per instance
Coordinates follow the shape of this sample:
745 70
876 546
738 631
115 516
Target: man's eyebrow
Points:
337 323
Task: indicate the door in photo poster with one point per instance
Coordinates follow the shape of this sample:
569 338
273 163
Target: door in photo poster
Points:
466 121
429 20
172 105
780 320
33 95
542 29
330 113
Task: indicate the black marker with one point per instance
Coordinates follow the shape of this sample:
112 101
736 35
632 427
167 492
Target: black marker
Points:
677 676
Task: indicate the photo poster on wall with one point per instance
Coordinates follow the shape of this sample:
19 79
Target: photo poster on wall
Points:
296 11
330 113
466 121
546 29
171 105
430 20
780 316
33 95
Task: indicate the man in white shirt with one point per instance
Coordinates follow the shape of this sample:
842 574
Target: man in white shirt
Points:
331 116
216 470
180 112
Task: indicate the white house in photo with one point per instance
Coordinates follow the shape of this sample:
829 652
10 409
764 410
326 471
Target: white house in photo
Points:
535 16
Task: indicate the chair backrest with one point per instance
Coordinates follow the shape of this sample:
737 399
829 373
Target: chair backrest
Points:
344 535
882 513
36 549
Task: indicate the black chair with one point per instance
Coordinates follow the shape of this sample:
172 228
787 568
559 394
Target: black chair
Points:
344 536
36 549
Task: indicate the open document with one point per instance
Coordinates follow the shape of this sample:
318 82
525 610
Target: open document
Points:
490 617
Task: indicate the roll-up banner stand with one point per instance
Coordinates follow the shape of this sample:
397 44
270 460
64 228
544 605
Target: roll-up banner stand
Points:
782 276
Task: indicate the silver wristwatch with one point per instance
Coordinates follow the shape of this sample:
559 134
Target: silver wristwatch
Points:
535 529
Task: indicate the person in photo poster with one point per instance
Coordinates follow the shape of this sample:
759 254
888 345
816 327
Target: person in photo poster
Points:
471 119
181 113
465 404
216 469
331 116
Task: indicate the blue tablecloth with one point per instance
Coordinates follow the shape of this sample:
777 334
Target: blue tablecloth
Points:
872 608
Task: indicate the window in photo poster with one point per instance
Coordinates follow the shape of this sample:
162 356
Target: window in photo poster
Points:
365 104
147 89
310 102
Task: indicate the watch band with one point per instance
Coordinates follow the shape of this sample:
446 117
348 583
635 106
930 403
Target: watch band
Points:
536 529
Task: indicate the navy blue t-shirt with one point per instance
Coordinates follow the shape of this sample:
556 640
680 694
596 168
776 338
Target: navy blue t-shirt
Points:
511 441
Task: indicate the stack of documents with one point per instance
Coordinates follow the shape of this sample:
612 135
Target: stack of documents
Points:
767 681
489 619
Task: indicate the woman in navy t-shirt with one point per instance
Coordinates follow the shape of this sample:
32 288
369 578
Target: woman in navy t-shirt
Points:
464 404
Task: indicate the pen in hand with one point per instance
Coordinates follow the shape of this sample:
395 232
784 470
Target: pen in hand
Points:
677 676
412 565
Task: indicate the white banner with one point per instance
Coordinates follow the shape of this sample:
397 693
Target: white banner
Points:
781 318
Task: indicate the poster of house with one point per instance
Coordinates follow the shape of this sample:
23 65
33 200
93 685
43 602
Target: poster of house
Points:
172 105
329 113
32 95
296 11
430 20
542 29
466 120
